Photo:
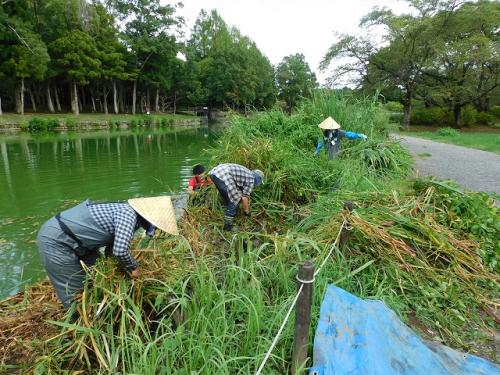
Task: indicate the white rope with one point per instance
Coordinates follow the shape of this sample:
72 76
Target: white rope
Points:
261 367
331 249
275 340
304 281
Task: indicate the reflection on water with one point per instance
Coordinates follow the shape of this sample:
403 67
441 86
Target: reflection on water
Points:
40 175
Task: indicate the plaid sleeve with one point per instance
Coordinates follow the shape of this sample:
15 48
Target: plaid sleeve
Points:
247 186
125 221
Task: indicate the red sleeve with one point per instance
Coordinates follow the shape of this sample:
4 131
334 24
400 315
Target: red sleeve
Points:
192 182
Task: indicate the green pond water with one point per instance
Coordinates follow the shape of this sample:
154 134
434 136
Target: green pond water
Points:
42 174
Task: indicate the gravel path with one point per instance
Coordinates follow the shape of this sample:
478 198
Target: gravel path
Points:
473 169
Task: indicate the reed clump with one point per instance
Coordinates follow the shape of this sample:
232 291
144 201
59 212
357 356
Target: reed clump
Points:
211 301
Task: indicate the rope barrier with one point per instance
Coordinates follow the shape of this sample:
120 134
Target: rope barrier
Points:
283 324
331 249
275 341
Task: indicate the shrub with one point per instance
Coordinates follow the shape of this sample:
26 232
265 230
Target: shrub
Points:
148 121
396 117
485 118
495 111
36 124
429 116
164 122
133 123
70 123
447 132
51 124
393 107
469 116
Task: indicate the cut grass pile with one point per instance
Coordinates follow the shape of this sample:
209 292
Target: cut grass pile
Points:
211 301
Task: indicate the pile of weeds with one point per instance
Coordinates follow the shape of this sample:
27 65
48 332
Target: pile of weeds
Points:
211 301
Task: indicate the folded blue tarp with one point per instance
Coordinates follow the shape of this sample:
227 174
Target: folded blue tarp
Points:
356 337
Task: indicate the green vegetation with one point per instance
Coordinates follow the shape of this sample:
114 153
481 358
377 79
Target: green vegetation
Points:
481 141
212 302
37 122
121 56
427 60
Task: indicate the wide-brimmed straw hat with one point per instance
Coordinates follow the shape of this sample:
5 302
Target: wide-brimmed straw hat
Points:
159 211
328 124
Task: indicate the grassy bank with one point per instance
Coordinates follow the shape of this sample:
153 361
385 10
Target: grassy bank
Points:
70 120
481 141
211 301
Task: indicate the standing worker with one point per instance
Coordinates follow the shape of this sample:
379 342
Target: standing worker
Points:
332 135
235 184
75 236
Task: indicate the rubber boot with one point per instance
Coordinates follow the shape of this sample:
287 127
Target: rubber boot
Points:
228 223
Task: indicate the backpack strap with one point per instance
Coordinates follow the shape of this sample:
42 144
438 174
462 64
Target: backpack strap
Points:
68 231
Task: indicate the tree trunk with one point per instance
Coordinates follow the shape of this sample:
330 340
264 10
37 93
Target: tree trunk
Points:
105 98
115 97
134 96
58 103
32 98
81 100
93 99
1 106
175 102
74 98
19 94
121 99
50 104
157 100
22 96
406 116
457 116
148 105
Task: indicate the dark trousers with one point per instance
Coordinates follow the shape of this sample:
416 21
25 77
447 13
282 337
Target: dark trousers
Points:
231 208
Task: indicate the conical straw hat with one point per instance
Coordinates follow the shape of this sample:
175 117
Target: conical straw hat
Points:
159 211
329 123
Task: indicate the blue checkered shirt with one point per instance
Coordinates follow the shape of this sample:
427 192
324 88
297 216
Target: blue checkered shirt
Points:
120 220
239 180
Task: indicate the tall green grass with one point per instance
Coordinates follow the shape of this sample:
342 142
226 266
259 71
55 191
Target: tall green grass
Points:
210 302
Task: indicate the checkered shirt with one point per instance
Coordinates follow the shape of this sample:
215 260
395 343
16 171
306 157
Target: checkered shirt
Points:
239 180
121 220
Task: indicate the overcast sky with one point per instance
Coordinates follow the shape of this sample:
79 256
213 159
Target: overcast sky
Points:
281 28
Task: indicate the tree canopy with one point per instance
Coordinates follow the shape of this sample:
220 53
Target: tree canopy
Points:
445 53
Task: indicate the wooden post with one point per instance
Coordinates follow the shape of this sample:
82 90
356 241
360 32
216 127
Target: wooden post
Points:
346 230
302 317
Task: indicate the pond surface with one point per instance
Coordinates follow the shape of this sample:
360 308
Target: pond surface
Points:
42 174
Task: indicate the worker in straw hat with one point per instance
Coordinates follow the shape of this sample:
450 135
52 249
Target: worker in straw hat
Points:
75 235
332 134
235 183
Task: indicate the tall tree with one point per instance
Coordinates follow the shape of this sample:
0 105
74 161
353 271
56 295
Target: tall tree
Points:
147 27
295 80
466 67
110 53
76 53
25 55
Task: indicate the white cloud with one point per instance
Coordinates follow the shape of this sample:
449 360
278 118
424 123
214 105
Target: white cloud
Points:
280 28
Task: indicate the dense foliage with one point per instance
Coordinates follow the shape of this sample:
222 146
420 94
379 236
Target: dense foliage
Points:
123 56
445 54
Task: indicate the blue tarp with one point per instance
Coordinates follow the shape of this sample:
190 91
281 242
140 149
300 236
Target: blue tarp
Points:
356 337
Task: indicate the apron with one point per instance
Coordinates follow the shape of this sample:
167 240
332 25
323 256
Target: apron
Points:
61 254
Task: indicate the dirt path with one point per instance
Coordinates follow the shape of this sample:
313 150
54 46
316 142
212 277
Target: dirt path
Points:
473 169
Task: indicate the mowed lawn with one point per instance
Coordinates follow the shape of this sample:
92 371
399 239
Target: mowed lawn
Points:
484 138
